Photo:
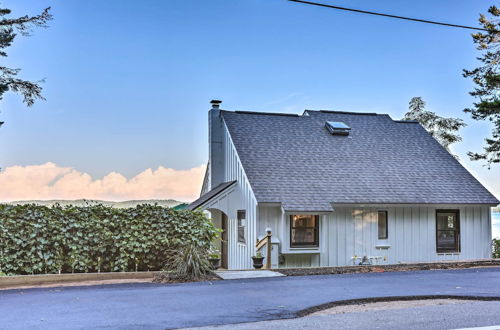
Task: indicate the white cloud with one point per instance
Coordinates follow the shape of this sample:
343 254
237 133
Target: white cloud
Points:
496 231
50 181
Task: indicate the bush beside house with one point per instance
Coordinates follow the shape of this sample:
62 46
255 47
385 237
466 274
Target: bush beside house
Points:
496 248
37 239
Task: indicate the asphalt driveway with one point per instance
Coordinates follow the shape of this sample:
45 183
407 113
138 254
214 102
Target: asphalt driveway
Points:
153 306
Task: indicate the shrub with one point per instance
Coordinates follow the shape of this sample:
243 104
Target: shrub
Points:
36 239
496 248
189 262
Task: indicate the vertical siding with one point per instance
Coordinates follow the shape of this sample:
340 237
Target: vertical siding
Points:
412 234
270 217
341 237
398 238
423 232
358 232
239 198
239 255
431 234
486 233
349 235
467 231
351 231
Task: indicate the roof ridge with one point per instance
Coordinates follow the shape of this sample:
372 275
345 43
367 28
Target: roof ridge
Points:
407 121
266 113
348 112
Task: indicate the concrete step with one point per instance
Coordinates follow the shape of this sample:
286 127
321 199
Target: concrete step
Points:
242 274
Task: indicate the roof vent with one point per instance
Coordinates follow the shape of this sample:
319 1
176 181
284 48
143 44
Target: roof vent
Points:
337 128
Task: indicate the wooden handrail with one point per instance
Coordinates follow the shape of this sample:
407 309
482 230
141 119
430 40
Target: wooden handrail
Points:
261 243
266 240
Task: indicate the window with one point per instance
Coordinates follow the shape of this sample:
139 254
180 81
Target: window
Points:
304 230
382 225
447 231
242 214
337 128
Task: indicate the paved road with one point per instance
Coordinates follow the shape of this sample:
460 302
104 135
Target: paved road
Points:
153 306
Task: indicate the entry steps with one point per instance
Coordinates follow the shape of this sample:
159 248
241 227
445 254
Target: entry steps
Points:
244 274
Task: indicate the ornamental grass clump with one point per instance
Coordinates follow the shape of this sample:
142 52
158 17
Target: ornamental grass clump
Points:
190 262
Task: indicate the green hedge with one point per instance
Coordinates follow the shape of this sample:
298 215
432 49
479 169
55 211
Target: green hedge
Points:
37 239
496 248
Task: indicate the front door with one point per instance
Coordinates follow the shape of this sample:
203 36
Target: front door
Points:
224 236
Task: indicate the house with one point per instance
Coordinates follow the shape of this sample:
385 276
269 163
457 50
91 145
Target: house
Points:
334 187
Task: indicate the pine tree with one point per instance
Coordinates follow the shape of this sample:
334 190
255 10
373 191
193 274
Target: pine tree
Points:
487 80
9 29
444 130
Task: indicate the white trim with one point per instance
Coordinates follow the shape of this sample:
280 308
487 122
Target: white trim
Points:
206 180
285 246
409 205
239 160
214 200
301 251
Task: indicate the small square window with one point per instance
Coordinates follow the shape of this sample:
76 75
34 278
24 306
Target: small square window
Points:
241 225
382 225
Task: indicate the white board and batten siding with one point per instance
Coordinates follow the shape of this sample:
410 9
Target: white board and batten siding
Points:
239 197
353 231
411 234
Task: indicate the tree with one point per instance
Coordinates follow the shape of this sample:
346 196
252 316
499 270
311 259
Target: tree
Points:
444 130
487 81
9 81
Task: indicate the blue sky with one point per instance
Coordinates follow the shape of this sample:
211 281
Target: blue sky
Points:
128 82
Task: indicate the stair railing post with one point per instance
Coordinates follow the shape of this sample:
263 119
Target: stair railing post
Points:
269 247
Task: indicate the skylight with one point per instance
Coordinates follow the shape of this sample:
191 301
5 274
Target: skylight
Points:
337 128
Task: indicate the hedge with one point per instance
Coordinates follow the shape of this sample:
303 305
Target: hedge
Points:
496 248
37 239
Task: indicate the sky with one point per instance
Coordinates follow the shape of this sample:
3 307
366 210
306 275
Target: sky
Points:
128 84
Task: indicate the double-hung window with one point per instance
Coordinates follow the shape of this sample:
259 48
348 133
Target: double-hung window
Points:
304 231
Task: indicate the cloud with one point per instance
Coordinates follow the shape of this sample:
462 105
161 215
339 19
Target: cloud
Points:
496 231
50 181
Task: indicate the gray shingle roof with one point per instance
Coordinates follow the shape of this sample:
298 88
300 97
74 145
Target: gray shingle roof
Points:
211 194
296 161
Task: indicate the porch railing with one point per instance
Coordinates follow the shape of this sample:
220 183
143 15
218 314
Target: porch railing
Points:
265 242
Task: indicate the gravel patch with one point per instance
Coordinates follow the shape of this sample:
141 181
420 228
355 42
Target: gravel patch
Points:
386 305
454 315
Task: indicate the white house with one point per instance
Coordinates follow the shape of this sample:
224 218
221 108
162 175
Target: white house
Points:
335 187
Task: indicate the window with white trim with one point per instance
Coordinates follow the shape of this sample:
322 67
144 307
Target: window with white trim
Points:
382 225
242 214
304 231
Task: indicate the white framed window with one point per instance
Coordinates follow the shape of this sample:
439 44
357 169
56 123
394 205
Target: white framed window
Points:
383 224
304 231
241 216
